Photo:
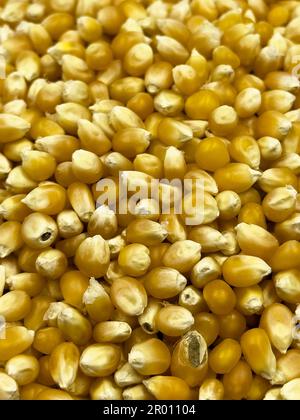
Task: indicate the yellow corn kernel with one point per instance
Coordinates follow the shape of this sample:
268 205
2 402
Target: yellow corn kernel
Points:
74 326
23 368
53 394
291 390
206 270
32 390
15 305
256 241
287 285
15 149
189 359
252 213
248 102
73 284
9 389
86 166
238 381
273 124
97 302
100 359
168 103
151 357
81 200
244 149
287 367
134 259
249 300
51 263
93 138
270 148
280 203
17 339
148 318
111 332
281 80
46 339
38 165
127 375
63 364
224 357
91 264
244 270
39 230
105 389
231 325
48 198
19 182
31 283
60 146
229 204
98 55
200 104
129 296
35 318
182 255
69 113
207 325
11 238
288 229
174 320
192 299
219 297
286 256
168 387
258 353
237 177
212 154
13 209
277 321
145 232
211 389
210 239
223 120
137 392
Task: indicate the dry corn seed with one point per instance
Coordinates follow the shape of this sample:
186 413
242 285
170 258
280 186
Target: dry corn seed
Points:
149 200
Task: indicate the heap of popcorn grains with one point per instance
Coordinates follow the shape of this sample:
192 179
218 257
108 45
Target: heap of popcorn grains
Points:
101 304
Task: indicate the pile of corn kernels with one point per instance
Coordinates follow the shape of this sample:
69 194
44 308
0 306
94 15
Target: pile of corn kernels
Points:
104 305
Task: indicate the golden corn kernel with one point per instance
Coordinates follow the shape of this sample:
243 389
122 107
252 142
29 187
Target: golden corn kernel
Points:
168 387
17 339
252 213
201 104
279 204
238 381
81 200
244 270
111 332
9 389
238 177
100 359
97 302
256 241
51 263
151 357
287 285
211 389
31 283
137 392
105 389
74 326
244 149
129 295
231 325
219 297
258 353
127 375
206 270
249 300
277 321
46 339
224 357
63 364
290 391
49 199
286 256
189 358
148 318
174 320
